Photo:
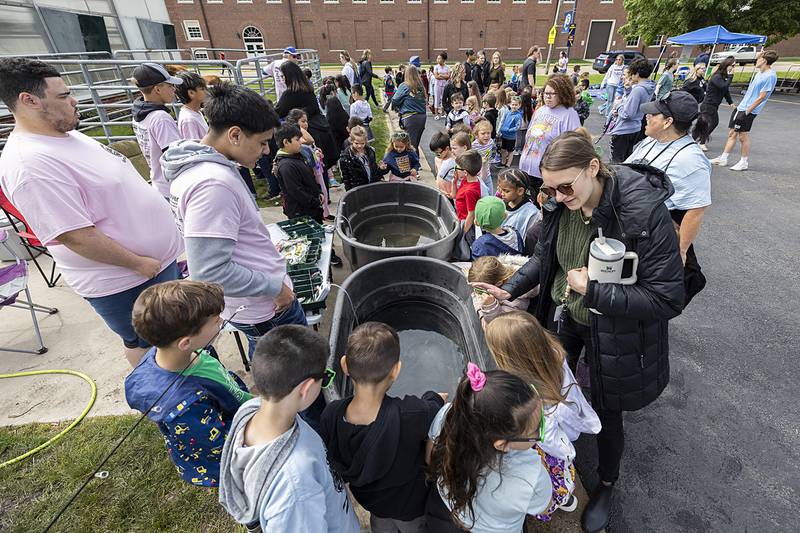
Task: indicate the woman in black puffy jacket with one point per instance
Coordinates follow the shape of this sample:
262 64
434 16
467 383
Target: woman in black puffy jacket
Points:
627 345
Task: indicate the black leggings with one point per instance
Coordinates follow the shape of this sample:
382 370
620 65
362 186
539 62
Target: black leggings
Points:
369 90
611 439
709 115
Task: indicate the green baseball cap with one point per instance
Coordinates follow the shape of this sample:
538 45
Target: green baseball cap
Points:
490 212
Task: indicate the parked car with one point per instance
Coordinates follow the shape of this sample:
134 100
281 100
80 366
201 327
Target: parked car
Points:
606 59
743 54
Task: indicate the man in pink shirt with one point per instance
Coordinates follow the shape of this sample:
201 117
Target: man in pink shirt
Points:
154 127
226 239
111 234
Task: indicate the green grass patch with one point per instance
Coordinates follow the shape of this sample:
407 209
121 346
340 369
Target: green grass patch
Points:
142 493
380 122
116 131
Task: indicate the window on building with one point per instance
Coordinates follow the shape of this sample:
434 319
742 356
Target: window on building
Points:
657 40
244 1
330 1
359 1
545 1
200 53
186 1
468 1
274 1
606 1
519 1
387 1
492 1
414 1
253 41
632 43
301 1
439 1
193 31
213 1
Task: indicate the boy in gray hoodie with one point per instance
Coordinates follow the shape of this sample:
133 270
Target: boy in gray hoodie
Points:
274 474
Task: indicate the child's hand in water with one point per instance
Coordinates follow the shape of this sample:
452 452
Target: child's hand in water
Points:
497 292
444 396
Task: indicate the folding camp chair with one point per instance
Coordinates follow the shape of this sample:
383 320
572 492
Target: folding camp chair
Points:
28 240
14 281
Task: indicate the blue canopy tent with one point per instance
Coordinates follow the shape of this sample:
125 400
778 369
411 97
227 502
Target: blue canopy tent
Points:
716 35
713 35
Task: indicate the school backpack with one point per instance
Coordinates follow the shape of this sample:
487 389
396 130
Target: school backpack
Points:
388 85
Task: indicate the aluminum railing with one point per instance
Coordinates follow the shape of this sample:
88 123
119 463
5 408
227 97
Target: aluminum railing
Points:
105 95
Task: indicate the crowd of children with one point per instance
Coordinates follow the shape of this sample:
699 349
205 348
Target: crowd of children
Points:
499 450
416 463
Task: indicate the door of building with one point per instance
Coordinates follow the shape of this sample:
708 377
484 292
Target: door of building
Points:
598 40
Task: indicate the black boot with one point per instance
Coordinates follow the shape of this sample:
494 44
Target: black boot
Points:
598 510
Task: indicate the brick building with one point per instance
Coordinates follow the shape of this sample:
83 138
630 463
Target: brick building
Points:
397 29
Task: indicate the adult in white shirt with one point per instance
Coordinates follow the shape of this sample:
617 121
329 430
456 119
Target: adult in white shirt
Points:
349 69
274 69
610 82
68 186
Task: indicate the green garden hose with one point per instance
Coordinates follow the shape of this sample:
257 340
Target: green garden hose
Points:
64 431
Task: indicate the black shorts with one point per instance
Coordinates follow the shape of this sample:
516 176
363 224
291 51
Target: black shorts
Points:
507 144
741 122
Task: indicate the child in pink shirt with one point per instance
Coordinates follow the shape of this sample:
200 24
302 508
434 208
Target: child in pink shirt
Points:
192 93
153 125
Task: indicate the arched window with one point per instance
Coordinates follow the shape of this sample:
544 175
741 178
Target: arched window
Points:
253 41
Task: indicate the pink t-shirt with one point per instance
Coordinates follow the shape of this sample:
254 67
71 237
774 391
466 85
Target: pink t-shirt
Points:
211 200
154 134
61 184
191 124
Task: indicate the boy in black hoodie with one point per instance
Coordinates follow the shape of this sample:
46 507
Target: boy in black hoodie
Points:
377 442
300 192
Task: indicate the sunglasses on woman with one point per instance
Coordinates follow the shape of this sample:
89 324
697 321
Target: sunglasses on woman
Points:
565 188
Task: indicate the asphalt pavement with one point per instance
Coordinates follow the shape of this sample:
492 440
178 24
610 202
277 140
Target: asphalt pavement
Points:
720 449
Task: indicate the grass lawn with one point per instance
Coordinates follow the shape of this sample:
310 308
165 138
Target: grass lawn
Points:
142 493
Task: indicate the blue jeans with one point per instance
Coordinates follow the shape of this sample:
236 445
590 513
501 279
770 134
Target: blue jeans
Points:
293 315
115 309
611 93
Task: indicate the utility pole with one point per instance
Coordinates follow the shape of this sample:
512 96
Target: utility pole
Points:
572 27
550 47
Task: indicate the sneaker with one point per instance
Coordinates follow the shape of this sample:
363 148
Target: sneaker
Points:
335 259
334 184
720 161
517 152
570 505
704 148
741 165
330 218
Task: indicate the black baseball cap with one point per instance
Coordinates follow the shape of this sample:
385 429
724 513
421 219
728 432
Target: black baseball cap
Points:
149 74
680 105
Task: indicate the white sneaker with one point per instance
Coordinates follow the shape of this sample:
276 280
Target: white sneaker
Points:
741 165
721 161
704 148
570 505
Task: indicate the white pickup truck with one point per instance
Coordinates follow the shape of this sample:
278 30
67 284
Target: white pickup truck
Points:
744 54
